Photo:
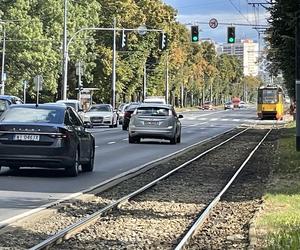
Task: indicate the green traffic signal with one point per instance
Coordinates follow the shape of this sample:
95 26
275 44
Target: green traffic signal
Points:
195 33
231 40
231 34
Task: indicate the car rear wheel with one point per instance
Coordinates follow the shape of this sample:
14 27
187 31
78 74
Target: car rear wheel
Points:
133 140
173 140
124 127
89 166
179 138
74 169
116 125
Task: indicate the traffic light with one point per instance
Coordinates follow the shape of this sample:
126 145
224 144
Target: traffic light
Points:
163 41
124 39
231 35
195 33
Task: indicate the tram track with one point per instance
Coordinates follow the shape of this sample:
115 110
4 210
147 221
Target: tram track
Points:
116 200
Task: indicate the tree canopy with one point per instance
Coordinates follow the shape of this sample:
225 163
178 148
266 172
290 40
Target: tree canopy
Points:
281 40
34 32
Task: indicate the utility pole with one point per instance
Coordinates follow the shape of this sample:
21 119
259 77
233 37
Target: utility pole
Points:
65 42
145 82
114 66
298 80
211 99
3 63
24 90
141 30
181 94
167 79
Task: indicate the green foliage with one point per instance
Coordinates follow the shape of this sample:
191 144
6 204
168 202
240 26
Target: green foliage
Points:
280 219
281 38
35 47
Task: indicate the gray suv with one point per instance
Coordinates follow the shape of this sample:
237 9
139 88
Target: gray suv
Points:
158 121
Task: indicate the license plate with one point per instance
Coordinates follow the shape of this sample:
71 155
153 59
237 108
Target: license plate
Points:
26 138
151 123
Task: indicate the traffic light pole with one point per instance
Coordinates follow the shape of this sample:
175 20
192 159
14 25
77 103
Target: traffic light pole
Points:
298 81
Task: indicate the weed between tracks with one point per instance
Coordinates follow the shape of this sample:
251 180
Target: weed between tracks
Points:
278 226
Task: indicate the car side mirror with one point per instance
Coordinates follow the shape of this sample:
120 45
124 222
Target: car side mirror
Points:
180 116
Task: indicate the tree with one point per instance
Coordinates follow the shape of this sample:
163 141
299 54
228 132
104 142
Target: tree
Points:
281 41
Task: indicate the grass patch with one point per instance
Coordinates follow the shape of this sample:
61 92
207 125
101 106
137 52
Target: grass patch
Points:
280 220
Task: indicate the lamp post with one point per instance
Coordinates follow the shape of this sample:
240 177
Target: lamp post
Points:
79 72
3 61
24 90
114 29
65 60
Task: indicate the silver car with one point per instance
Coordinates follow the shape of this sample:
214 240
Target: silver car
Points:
158 121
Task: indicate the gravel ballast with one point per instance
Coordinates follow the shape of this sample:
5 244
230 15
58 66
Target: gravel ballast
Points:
157 218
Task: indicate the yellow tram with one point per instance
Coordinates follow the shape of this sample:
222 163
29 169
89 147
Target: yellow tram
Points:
270 102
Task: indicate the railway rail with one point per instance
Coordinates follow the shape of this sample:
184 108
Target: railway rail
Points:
118 206
117 200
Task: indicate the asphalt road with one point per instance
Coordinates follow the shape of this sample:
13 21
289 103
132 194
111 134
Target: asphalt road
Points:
26 189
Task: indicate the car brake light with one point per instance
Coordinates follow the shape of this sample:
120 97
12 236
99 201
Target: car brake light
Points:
59 135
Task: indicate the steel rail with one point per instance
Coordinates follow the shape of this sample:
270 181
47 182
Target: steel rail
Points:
131 172
65 233
200 221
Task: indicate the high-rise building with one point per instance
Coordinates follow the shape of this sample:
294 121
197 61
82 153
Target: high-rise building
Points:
246 51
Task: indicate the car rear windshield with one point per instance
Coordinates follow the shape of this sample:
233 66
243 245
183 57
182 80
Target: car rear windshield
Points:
32 115
104 108
152 111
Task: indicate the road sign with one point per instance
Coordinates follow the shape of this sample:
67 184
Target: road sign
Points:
142 30
38 82
213 23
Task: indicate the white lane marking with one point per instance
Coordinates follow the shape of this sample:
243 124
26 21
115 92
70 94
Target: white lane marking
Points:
96 146
193 125
236 120
111 142
125 139
224 120
214 119
196 116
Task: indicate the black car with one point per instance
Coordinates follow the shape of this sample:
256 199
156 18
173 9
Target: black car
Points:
47 136
130 108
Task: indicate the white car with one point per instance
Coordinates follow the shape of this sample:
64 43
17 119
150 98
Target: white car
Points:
101 115
242 105
75 104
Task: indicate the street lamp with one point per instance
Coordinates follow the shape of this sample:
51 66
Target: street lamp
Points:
65 64
3 60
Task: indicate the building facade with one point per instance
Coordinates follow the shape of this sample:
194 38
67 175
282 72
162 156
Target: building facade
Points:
247 52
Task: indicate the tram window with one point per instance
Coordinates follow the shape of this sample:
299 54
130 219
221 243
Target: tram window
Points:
270 96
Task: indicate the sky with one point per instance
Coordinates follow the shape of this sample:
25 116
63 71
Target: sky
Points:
225 11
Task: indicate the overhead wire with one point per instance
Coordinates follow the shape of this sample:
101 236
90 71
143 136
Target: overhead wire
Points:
239 11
